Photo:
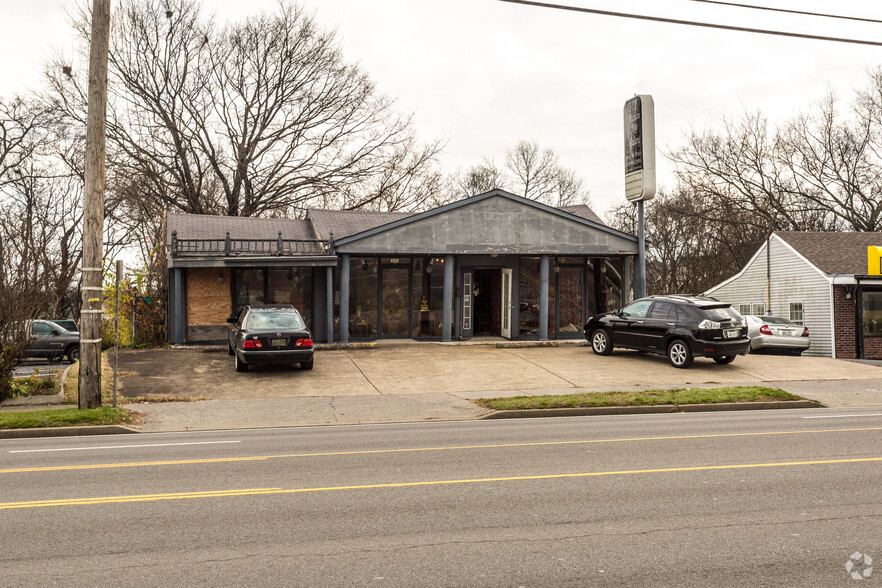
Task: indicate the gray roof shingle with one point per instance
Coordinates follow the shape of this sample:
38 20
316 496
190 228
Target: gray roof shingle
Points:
208 226
833 253
584 211
344 223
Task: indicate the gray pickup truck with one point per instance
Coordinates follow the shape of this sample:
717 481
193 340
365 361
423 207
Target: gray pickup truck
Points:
51 341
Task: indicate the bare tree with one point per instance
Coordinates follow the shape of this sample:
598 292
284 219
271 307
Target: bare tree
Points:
539 175
479 179
531 172
260 117
687 252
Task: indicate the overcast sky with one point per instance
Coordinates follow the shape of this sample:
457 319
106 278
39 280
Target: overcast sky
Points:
483 74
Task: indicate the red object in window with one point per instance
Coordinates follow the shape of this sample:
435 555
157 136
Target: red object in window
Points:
805 332
765 330
252 344
303 343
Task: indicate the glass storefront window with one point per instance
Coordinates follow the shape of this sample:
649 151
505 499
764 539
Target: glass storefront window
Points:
363 296
249 287
570 279
394 298
609 291
872 302
427 304
292 286
529 295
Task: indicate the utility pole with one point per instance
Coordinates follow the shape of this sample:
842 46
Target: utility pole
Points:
93 211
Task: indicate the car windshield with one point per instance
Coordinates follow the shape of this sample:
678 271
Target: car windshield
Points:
276 320
775 320
721 314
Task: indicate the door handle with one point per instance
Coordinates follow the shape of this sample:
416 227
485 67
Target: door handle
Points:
671 324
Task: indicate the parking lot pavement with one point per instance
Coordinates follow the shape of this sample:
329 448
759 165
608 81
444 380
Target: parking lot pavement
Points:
465 371
425 381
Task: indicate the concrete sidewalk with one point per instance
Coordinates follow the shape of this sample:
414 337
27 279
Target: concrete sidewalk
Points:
407 381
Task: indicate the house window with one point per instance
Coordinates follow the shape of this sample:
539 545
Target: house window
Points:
758 309
796 315
744 308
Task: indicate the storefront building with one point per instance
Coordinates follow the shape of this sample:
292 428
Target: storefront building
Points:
493 265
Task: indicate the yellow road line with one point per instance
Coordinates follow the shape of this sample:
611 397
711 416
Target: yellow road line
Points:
268 491
414 450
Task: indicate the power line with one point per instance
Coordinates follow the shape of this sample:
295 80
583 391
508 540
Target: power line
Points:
693 23
771 9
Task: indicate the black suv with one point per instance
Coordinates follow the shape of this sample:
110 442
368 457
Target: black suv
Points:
680 327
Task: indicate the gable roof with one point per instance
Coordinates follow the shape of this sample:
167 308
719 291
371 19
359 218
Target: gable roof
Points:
596 224
833 252
344 223
209 226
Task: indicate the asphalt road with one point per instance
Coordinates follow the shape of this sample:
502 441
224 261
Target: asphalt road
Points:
761 499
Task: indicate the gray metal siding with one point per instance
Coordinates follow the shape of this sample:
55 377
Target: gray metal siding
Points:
792 280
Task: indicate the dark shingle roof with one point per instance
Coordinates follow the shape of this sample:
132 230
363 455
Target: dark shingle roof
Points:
344 223
208 226
833 253
584 211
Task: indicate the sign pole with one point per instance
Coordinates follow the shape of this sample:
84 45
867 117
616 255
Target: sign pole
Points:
640 274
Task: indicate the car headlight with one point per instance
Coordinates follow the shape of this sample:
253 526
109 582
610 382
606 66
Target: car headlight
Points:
709 324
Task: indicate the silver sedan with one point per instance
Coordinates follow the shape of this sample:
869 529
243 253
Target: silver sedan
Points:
773 333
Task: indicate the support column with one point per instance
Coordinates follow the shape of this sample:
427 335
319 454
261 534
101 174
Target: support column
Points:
180 310
329 290
543 298
344 298
447 316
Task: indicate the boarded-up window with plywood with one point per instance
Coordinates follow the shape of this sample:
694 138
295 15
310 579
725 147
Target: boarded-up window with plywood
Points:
208 296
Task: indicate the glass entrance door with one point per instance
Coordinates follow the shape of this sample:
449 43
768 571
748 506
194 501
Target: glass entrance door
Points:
505 331
394 297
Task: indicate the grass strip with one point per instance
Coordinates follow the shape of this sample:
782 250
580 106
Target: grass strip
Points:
640 398
64 417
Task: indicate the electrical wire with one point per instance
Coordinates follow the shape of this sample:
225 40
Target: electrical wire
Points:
693 23
788 11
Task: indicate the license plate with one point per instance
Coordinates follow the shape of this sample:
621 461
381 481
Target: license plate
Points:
278 342
731 333
787 333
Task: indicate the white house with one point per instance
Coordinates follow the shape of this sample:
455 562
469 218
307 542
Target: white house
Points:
818 279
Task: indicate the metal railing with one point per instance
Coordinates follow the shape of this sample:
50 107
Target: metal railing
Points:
246 247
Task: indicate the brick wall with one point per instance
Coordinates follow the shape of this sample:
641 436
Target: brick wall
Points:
843 317
843 321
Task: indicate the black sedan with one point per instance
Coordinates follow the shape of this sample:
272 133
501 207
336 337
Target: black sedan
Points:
679 327
270 335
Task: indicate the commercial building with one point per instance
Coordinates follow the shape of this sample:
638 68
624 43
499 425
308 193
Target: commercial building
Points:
495 264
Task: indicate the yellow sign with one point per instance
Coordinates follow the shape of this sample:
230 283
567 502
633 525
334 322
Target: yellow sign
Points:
874 261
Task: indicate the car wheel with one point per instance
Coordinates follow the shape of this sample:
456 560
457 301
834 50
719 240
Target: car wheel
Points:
240 366
601 343
724 360
307 365
679 354
73 354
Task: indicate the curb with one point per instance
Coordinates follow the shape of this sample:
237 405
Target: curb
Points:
655 409
343 346
525 344
65 431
